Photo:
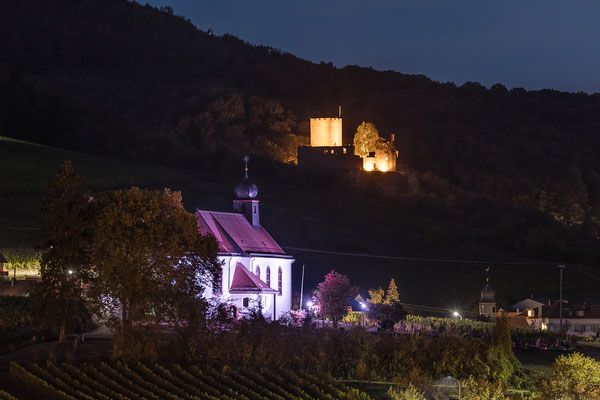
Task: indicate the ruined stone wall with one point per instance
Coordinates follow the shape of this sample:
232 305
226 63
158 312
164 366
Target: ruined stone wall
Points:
381 160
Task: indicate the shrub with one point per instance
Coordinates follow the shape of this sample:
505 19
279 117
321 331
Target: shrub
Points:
15 311
573 377
482 390
410 393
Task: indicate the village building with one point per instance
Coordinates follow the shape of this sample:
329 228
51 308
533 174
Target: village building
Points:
255 269
577 319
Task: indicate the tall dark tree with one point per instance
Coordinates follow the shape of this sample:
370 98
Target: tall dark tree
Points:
149 256
65 241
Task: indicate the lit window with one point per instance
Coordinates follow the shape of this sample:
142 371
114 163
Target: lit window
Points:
268 276
279 281
257 271
344 150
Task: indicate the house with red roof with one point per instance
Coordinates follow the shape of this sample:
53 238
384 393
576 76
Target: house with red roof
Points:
255 268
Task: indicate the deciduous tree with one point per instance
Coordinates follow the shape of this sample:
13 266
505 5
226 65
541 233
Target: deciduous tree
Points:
376 296
332 295
386 315
366 139
149 256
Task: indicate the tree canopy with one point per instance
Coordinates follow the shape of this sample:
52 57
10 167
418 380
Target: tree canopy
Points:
366 139
148 254
332 295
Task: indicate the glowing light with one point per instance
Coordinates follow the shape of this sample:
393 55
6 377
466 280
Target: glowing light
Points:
364 306
70 272
309 304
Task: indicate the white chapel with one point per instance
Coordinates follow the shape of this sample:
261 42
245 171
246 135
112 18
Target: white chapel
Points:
255 267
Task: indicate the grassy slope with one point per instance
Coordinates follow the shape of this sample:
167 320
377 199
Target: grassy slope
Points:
296 215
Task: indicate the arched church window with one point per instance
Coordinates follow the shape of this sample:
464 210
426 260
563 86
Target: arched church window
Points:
257 272
279 281
268 276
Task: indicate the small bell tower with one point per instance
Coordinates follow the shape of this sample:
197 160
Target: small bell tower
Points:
246 202
487 301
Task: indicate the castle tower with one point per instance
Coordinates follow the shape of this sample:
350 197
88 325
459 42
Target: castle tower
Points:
325 132
246 202
487 301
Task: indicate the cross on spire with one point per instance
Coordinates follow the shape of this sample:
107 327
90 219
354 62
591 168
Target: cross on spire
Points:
246 159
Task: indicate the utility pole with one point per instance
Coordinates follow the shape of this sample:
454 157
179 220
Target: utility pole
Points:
561 267
302 289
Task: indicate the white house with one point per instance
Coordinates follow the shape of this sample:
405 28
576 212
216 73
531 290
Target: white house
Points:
255 267
581 319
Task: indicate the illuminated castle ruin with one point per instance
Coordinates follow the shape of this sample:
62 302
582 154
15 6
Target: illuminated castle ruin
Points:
327 151
383 158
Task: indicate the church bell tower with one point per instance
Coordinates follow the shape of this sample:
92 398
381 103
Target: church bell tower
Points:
246 202
487 301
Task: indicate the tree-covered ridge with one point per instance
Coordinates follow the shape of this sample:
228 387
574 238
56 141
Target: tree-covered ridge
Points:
121 78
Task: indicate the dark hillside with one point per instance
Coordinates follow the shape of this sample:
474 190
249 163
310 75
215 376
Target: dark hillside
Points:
118 78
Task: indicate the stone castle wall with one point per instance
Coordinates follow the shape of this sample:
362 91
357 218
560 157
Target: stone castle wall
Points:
325 132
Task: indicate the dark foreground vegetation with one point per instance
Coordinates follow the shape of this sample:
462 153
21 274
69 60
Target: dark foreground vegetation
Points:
172 381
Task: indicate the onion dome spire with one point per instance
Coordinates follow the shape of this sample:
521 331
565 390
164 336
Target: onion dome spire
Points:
245 189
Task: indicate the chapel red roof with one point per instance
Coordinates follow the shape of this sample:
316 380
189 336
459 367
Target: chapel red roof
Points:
245 281
235 234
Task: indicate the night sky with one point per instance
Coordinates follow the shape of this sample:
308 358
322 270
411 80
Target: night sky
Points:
530 44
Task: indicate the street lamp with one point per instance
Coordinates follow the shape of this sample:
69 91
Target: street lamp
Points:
309 304
364 307
456 314
459 384
70 272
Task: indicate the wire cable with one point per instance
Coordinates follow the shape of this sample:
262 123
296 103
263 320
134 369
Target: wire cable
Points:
438 260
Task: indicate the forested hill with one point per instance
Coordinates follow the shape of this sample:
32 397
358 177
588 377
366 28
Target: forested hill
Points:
116 78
